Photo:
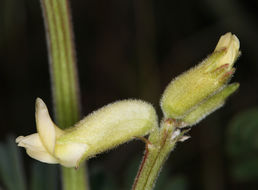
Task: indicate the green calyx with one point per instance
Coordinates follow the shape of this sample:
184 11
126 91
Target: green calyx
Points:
210 105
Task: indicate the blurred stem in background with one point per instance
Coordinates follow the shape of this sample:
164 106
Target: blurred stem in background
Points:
64 79
11 169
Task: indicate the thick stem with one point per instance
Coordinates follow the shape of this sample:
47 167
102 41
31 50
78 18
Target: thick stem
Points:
64 79
161 143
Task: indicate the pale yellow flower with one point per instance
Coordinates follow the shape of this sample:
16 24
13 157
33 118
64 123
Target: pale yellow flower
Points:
100 131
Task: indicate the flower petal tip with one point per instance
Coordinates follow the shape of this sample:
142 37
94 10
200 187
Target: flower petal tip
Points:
45 125
228 40
40 103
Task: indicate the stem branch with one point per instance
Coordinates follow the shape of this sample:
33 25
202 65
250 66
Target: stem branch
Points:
156 153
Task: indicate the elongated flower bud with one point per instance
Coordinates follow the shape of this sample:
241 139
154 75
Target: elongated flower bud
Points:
104 129
193 87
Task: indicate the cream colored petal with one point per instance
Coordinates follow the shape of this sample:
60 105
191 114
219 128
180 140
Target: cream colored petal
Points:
231 44
30 141
42 156
70 154
45 126
226 41
35 148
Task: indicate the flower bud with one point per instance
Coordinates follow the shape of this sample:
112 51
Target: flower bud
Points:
193 87
102 130
106 128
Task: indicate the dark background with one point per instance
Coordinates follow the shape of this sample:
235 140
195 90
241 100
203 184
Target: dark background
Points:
132 49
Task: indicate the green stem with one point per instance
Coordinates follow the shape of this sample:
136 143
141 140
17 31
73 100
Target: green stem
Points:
64 79
158 148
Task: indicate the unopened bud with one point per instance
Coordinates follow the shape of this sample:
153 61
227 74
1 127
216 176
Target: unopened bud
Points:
191 88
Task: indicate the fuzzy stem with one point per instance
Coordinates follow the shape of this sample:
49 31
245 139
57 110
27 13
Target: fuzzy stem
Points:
156 153
64 78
